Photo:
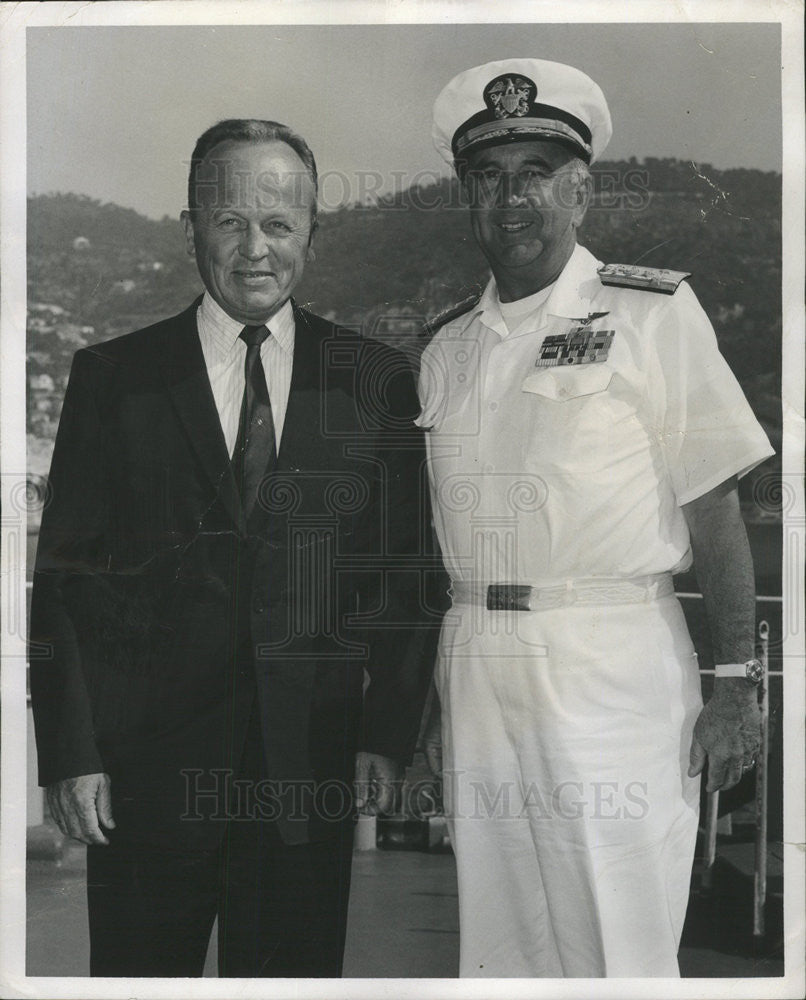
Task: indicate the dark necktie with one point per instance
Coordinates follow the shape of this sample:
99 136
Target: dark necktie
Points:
255 452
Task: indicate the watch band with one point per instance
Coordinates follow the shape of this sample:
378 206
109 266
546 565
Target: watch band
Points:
751 670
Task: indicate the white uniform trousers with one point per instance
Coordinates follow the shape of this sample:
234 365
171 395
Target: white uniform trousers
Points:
566 737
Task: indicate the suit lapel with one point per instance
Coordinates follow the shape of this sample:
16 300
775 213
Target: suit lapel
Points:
302 429
303 439
185 373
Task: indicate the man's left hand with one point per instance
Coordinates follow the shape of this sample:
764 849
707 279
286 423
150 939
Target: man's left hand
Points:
377 781
728 733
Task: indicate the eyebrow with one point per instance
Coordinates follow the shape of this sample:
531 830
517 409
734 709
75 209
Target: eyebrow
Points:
275 212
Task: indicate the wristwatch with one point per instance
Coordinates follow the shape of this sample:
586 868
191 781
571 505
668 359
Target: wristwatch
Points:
752 670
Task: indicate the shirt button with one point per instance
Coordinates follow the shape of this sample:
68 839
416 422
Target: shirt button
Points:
258 607
461 377
461 357
493 406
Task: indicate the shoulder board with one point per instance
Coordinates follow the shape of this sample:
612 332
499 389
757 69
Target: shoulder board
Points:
451 313
649 279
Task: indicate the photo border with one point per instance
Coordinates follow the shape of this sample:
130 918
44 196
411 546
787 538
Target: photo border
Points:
14 20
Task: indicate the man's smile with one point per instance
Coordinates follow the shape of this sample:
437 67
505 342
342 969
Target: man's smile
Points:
514 227
253 277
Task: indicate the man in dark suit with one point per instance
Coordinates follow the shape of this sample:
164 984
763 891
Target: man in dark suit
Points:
237 536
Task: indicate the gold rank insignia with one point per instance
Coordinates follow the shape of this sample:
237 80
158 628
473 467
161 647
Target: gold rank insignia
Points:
580 346
649 279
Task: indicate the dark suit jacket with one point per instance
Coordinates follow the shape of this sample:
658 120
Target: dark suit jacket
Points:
159 614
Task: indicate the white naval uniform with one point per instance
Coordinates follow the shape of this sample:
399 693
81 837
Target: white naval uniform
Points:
567 728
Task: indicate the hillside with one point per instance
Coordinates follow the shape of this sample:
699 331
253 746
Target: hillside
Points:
97 270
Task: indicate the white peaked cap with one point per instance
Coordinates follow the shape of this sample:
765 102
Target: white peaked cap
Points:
517 100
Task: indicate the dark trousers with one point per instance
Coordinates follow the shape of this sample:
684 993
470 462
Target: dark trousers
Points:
282 909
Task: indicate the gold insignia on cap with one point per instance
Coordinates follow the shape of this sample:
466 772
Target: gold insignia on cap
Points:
510 96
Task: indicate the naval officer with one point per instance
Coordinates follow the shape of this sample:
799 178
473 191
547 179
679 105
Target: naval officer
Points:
585 437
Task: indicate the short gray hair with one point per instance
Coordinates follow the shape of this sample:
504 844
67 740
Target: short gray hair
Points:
249 130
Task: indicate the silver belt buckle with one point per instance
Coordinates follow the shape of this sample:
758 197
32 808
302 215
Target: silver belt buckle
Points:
509 597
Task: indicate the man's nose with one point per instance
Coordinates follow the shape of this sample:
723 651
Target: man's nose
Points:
255 243
511 189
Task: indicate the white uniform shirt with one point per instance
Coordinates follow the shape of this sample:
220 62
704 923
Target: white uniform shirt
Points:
548 474
225 355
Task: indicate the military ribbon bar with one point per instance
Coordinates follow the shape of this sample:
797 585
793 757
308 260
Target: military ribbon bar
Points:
581 346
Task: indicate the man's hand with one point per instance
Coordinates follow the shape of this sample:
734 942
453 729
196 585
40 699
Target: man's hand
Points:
433 755
728 729
377 780
432 737
79 805
728 732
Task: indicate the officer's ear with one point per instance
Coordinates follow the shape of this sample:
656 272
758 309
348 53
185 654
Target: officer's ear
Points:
583 192
460 169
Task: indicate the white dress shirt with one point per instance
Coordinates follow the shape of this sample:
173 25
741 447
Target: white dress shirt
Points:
225 355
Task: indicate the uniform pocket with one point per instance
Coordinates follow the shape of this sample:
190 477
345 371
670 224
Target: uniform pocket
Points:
567 382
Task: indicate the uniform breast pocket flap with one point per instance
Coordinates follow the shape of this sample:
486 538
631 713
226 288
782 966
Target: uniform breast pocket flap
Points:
566 382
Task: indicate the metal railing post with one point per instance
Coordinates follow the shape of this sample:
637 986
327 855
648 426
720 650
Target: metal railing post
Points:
760 867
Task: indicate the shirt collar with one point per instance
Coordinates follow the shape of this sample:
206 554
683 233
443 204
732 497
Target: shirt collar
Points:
570 297
576 284
487 309
221 331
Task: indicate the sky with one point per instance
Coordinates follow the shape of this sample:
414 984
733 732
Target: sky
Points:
114 112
